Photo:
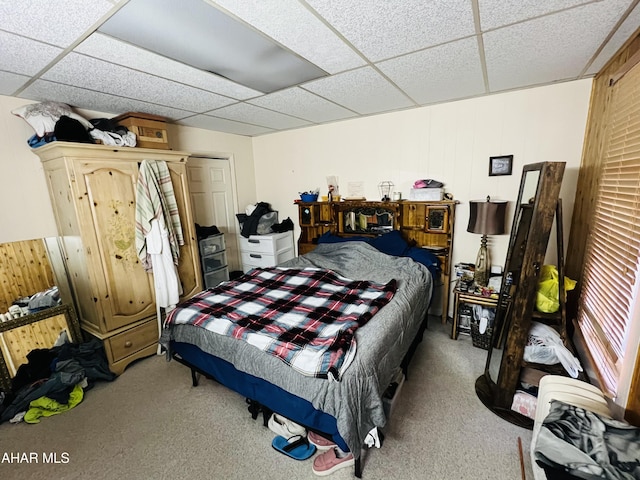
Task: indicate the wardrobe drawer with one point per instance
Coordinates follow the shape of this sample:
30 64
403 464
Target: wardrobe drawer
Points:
129 342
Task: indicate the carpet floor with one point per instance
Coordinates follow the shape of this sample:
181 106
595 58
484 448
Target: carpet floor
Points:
150 423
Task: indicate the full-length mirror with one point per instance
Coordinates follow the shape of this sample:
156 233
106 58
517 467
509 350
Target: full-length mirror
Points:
35 303
534 215
44 329
530 181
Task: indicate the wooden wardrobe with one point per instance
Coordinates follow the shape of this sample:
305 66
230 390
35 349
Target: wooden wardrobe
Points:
92 189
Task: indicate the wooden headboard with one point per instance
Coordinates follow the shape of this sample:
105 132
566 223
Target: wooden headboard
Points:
427 224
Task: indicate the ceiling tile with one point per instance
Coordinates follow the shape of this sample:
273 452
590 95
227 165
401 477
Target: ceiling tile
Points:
59 23
623 33
363 90
243 112
294 26
222 125
551 48
42 90
497 13
381 29
21 55
82 71
303 104
115 51
447 72
10 82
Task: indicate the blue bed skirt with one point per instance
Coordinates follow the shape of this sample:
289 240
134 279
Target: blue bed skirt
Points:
271 396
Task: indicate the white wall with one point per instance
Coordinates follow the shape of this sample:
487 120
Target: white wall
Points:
451 142
25 211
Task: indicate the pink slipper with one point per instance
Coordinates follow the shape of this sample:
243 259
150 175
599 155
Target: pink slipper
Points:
329 462
321 443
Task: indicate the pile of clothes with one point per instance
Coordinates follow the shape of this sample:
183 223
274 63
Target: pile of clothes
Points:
53 121
261 219
54 380
27 305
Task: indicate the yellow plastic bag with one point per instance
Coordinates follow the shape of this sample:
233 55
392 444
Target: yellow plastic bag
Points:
547 296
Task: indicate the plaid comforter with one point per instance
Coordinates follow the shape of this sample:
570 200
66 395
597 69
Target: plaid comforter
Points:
306 317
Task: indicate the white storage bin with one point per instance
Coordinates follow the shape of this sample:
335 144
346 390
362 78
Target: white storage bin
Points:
261 260
427 194
212 244
261 251
271 244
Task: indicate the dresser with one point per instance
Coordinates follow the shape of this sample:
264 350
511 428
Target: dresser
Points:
266 250
213 255
92 190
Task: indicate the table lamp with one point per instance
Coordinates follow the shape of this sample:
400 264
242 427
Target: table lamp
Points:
486 218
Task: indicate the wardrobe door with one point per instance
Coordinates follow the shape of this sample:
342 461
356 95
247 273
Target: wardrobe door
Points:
189 264
106 209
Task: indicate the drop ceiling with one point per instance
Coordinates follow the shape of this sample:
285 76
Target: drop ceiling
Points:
370 56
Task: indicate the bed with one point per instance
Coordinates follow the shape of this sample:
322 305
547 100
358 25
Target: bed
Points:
345 408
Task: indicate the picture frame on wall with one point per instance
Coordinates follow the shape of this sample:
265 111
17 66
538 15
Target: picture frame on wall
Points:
502 165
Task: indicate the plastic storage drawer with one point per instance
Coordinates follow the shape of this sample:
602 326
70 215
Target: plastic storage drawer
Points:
214 261
214 278
211 245
269 244
259 260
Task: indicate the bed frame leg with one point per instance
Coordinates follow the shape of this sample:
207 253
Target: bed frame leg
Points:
266 415
194 378
358 467
254 408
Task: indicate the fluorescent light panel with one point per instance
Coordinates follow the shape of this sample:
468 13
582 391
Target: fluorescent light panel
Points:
196 33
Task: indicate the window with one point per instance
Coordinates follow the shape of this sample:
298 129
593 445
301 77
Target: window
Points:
611 269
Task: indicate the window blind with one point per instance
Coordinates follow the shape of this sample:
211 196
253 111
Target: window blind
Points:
613 249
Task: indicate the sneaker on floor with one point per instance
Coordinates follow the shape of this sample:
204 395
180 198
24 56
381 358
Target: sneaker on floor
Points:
321 443
329 462
284 427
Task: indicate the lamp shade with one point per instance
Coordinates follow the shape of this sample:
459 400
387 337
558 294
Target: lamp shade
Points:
487 217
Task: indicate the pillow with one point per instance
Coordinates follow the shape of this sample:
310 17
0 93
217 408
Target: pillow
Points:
390 243
426 258
43 116
329 237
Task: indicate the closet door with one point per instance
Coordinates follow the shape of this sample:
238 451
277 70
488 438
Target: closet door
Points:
105 196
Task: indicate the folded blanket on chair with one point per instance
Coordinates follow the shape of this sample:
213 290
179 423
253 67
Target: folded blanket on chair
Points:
306 317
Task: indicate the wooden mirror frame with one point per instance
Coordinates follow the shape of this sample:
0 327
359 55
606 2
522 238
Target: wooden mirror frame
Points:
439 213
72 327
532 222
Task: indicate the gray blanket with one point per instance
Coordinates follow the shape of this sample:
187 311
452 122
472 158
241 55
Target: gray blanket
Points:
356 400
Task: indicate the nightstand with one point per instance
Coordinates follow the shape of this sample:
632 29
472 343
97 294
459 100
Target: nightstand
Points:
464 320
